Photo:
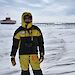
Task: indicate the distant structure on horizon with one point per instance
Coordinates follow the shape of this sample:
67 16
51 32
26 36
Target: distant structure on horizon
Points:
7 21
54 23
45 23
69 23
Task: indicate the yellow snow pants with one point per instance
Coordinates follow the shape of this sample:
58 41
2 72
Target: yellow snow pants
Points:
31 59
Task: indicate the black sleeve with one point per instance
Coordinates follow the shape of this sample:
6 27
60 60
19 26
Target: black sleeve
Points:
15 42
41 45
40 41
14 47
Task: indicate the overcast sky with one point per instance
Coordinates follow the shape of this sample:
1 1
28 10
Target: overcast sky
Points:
42 10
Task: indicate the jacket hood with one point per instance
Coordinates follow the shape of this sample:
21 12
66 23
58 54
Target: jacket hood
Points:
25 25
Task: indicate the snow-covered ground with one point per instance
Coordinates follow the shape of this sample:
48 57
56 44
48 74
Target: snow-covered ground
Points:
59 50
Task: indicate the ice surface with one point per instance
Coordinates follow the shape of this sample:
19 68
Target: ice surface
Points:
59 50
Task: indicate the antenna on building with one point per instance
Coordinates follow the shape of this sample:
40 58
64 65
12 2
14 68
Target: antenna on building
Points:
7 14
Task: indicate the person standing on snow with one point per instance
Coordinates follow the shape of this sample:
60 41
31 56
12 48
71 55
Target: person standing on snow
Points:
28 39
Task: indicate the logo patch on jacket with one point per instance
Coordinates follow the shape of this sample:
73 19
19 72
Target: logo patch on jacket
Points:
22 32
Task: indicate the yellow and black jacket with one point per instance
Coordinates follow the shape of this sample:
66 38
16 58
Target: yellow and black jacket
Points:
27 39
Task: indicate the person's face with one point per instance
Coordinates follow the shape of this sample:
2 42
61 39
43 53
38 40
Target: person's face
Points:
28 19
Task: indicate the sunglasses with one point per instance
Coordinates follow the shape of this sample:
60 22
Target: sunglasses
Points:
27 17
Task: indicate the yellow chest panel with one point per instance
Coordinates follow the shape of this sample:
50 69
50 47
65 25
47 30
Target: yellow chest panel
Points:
29 33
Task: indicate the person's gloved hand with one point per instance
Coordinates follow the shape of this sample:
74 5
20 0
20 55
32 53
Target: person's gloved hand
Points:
41 58
13 61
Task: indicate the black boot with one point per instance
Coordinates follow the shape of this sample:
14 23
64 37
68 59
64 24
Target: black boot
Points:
25 72
37 72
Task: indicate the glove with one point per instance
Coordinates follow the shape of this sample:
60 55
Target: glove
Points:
41 57
13 61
